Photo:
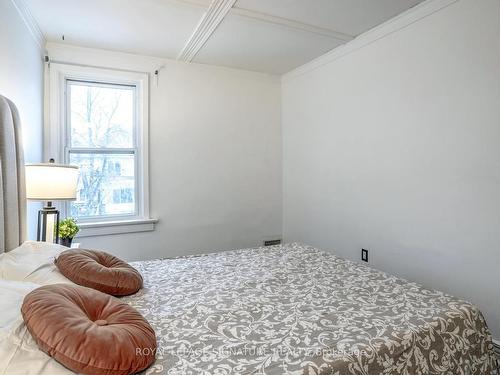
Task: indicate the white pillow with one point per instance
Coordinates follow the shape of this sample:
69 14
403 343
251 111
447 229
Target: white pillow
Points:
34 262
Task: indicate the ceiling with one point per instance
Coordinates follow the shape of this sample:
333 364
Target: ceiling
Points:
270 36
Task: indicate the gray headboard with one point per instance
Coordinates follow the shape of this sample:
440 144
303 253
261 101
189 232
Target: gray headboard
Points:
12 185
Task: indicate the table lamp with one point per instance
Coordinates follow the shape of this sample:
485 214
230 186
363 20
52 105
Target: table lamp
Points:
50 182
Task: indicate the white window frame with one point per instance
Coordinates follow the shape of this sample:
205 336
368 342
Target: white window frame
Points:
56 138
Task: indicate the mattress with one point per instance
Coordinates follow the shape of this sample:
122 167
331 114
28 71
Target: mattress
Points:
294 309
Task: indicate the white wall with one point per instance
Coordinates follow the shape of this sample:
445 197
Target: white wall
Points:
215 156
21 80
395 147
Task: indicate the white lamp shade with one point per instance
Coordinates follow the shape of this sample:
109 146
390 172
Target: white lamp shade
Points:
51 182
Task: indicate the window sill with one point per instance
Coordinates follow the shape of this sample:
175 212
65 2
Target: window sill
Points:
116 227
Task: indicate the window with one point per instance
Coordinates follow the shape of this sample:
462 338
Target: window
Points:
98 121
101 127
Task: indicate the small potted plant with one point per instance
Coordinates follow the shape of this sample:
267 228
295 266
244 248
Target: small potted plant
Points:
68 228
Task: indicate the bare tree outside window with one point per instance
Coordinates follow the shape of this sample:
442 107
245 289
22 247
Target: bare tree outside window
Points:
102 144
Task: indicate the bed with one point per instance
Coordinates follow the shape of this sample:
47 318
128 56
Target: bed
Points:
289 309
295 309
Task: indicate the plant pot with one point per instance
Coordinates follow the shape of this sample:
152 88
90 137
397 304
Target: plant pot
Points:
65 241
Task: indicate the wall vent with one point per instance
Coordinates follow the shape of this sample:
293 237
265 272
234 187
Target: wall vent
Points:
272 242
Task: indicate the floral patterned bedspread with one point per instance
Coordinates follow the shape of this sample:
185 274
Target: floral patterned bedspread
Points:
294 309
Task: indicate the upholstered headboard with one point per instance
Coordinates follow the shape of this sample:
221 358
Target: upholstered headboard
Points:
12 185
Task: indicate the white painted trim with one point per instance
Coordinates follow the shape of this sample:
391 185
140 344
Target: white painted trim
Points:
280 21
397 23
93 66
208 24
30 23
292 24
55 132
116 227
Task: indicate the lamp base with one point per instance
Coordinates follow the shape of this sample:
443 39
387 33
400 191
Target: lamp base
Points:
48 224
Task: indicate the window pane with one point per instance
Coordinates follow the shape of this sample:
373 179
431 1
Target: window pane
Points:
101 116
106 185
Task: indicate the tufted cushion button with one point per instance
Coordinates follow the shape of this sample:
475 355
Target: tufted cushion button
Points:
63 321
99 270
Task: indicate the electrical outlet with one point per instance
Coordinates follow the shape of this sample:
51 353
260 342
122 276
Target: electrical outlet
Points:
364 255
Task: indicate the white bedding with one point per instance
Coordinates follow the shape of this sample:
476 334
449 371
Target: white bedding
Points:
22 270
19 354
34 262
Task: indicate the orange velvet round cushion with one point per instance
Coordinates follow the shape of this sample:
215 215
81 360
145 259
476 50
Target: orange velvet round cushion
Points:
99 270
88 331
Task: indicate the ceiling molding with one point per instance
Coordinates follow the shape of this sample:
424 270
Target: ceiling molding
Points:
30 23
209 22
395 24
291 24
